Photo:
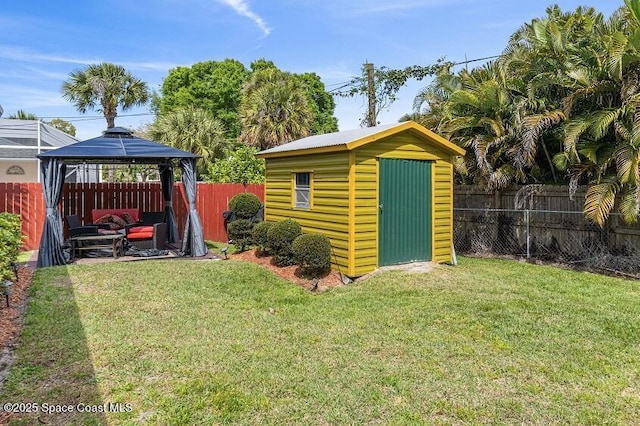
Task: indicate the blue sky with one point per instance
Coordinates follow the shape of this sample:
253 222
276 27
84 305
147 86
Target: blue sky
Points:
42 41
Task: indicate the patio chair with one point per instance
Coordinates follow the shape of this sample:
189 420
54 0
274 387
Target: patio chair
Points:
149 233
77 229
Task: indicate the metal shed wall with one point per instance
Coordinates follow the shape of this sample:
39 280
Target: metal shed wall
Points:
408 146
329 214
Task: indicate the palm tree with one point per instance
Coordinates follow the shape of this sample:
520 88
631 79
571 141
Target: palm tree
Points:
544 57
194 130
274 109
477 112
602 135
105 87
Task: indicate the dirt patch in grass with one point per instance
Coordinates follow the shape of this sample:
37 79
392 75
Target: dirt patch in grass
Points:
11 318
292 273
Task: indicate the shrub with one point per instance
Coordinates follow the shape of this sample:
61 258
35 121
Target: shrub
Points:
280 236
245 205
10 242
240 233
312 253
259 234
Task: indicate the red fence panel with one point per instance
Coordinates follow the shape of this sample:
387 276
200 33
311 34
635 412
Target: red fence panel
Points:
213 199
26 200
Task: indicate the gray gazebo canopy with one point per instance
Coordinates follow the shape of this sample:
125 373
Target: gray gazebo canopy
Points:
118 146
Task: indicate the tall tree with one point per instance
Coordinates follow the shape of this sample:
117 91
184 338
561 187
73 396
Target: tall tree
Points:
321 103
567 87
194 130
602 134
478 115
63 125
213 86
274 109
105 87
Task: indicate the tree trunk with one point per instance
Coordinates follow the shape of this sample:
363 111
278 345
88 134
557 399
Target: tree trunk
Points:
553 168
111 169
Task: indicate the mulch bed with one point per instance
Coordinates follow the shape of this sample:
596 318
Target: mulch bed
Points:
11 317
291 273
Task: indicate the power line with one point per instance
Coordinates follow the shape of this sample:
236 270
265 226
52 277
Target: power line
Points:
355 80
95 117
476 60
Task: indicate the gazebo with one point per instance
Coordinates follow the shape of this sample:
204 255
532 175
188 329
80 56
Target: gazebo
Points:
118 146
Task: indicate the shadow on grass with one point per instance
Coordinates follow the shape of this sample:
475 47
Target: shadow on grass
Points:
52 381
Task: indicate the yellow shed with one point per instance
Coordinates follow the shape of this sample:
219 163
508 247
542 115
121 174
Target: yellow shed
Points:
383 195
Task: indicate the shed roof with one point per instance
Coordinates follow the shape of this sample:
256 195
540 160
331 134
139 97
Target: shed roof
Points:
351 139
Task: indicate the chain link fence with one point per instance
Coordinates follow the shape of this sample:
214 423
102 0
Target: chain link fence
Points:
564 237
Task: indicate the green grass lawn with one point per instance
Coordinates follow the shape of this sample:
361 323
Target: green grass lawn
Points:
194 342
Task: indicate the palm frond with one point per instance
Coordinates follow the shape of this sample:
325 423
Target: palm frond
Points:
535 127
601 122
599 200
626 164
501 177
616 48
573 132
629 206
561 161
634 10
623 133
480 144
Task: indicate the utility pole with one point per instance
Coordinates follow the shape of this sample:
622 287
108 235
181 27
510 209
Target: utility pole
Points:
371 93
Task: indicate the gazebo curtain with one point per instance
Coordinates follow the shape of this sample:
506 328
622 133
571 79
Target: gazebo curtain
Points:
193 238
50 253
166 177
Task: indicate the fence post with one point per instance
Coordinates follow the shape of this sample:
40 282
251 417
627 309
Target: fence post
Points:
527 219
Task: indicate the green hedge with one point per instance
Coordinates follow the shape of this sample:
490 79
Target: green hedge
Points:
10 242
259 235
245 205
239 232
312 253
279 239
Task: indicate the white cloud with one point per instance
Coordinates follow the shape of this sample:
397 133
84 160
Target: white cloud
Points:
23 97
242 8
18 54
22 55
373 7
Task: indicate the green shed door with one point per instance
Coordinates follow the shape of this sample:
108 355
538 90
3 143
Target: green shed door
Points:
404 233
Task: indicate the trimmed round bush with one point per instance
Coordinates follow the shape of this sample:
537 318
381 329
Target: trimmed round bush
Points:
245 205
259 234
312 253
279 239
240 233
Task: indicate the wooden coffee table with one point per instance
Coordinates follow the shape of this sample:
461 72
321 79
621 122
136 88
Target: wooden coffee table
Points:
92 242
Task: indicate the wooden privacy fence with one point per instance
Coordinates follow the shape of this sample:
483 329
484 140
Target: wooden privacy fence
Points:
543 222
26 200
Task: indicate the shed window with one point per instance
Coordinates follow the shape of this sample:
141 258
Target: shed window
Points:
303 190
